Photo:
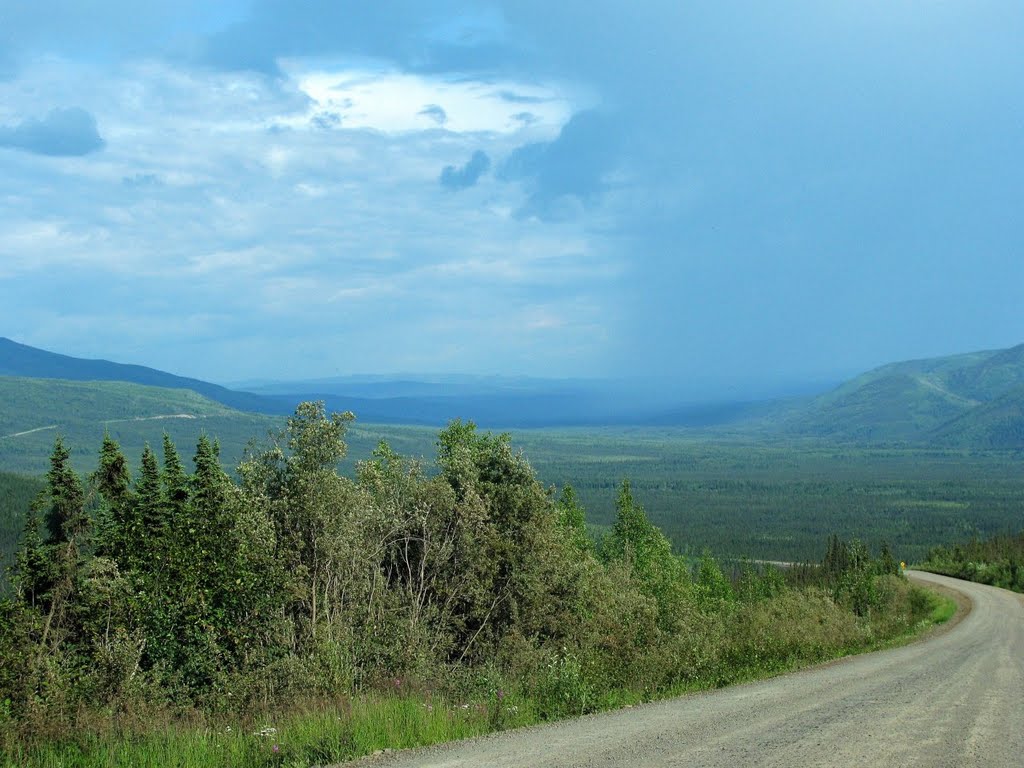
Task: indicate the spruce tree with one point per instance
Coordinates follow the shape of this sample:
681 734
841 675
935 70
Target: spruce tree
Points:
30 577
66 518
148 538
114 517
175 484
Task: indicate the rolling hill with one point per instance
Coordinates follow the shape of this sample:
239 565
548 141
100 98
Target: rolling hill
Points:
492 401
971 400
34 411
28 362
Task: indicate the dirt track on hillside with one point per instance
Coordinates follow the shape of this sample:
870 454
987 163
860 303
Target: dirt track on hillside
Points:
955 698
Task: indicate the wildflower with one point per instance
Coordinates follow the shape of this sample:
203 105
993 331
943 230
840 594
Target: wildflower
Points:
500 694
276 748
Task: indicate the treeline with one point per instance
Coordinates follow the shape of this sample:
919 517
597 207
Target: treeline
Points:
16 494
998 560
196 591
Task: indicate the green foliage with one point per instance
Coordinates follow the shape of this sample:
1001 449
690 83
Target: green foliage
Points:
712 586
998 560
572 518
220 597
65 518
646 555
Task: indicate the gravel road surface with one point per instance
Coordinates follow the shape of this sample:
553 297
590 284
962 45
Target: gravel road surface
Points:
953 699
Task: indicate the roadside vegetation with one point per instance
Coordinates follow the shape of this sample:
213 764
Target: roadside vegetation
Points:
998 561
294 616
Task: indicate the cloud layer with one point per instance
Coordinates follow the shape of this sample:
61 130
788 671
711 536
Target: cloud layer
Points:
703 192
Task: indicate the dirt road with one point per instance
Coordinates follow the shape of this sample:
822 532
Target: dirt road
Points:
955 699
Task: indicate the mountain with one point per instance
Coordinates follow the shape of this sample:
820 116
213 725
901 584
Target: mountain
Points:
28 362
34 411
995 424
491 401
970 400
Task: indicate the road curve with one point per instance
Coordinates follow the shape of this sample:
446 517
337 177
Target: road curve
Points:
955 699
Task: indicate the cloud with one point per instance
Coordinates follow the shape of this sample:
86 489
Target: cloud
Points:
435 112
326 120
67 132
569 172
468 175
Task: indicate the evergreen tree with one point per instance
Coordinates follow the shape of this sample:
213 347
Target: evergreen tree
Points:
30 577
114 516
175 484
147 540
66 518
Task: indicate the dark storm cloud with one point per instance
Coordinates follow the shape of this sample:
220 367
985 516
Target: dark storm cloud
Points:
455 179
69 132
572 166
440 36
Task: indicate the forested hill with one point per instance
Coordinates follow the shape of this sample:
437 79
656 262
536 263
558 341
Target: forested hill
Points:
34 411
28 362
973 400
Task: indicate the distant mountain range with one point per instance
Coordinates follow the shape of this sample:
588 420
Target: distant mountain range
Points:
491 401
973 400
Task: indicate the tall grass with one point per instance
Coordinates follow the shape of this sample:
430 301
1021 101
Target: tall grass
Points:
314 734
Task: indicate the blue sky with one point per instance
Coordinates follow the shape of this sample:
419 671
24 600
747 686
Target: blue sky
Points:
707 193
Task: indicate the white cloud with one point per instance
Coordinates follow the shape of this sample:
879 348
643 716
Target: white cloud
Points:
394 102
216 191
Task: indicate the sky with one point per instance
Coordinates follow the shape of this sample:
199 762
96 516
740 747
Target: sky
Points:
707 194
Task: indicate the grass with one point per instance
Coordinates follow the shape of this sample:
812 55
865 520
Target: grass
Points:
943 609
312 735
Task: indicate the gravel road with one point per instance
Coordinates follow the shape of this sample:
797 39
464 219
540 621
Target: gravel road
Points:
953 699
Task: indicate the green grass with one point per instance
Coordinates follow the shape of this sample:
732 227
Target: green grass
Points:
943 608
314 735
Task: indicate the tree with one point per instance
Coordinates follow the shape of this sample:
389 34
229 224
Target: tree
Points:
30 576
647 555
115 521
147 538
66 518
572 518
